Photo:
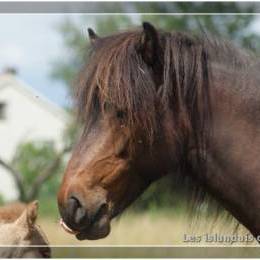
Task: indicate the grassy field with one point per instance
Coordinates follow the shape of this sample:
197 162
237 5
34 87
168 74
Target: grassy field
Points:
152 229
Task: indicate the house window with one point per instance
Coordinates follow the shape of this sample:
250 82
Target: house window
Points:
2 110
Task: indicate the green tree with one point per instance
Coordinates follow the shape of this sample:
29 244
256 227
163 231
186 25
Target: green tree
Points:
36 168
31 160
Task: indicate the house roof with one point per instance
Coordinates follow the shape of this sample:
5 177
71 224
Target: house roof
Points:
12 81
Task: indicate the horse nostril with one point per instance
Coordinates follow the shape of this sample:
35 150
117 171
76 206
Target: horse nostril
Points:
101 210
77 212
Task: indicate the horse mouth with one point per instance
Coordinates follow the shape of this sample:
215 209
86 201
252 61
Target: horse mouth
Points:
67 229
96 230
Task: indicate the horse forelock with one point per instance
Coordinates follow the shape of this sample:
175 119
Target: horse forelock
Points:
117 75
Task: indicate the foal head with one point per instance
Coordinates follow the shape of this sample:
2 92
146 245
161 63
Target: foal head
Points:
18 228
125 101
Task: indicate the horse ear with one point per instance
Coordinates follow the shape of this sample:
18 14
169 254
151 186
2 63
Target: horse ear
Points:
149 43
92 35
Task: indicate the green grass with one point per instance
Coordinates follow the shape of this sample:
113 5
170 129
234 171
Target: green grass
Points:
165 228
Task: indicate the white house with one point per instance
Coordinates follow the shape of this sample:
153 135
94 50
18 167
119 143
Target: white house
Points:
25 115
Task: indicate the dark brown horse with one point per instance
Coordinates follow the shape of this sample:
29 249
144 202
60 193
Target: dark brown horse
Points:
155 103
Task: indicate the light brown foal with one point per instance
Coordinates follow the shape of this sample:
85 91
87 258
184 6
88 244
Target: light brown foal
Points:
19 233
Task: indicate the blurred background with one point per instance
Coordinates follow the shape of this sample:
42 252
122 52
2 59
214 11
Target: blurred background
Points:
40 56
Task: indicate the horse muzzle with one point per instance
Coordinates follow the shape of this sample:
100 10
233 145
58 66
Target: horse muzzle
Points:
86 219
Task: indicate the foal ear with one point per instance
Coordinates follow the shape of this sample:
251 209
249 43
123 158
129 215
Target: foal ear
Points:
29 216
92 35
32 213
149 43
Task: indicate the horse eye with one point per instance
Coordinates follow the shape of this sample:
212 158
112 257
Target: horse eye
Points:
120 114
106 106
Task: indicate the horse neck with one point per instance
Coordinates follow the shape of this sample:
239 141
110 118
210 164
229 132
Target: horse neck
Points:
233 174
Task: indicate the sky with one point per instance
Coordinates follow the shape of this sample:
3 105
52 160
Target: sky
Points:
31 43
